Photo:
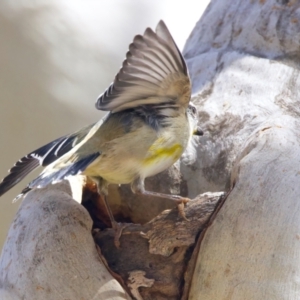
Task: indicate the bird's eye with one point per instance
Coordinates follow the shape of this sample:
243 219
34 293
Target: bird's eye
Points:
193 109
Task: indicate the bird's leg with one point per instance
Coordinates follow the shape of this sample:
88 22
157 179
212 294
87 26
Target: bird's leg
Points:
114 224
102 189
138 187
117 227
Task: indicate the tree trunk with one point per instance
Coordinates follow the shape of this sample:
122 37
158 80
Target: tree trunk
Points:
50 252
243 58
243 61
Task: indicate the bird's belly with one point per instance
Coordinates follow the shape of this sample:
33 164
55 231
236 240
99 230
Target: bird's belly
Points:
115 170
159 159
123 170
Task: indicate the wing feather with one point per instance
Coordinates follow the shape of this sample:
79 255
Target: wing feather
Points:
154 72
72 169
42 156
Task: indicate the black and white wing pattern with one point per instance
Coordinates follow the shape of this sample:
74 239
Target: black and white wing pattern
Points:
154 72
42 157
74 168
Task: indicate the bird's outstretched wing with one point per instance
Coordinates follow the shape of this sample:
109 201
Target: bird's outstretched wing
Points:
154 72
42 157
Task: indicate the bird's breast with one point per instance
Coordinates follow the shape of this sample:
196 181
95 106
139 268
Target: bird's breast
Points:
160 157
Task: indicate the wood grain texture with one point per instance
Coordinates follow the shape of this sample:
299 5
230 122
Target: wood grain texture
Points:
161 248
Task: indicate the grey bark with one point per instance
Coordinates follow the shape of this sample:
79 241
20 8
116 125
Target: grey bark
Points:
243 57
50 252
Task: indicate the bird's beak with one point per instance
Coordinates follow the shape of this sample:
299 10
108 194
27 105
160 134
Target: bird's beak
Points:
198 131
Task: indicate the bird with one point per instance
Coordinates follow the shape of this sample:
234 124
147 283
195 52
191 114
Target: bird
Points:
149 123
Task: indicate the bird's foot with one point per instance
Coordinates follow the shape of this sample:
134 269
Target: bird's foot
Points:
118 228
180 206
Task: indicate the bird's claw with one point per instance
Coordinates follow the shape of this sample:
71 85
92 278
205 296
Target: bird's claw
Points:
181 206
118 228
